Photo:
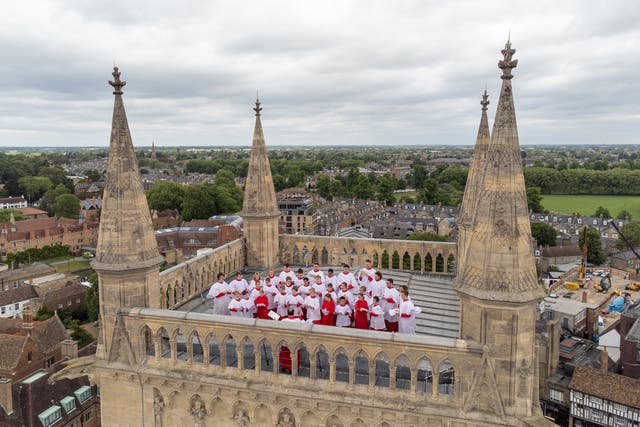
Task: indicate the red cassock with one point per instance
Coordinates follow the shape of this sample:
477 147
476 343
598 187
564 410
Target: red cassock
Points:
361 316
330 318
261 304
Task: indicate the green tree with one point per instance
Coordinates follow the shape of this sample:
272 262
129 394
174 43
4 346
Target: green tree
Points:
429 237
544 233
56 174
93 299
66 206
624 214
386 187
92 175
49 198
323 187
631 231
34 186
166 195
534 200
5 215
602 212
595 253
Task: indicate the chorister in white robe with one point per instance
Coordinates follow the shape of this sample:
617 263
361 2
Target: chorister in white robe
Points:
367 275
235 307
331 280
247 307
282 278
304 290
348 295
219 292
313 304
343 315
377 288
238 285
281 303
320 290
313 273
407 322
376 317
391 300
271 292
349 279
295 301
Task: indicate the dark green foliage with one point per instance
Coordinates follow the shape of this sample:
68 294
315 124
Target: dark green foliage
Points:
631 231
595 253
534 200
66 206
37 254
602 212
429 237
545 234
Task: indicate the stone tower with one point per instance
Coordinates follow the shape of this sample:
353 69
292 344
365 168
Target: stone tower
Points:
127 259
498 287
476 172
260 212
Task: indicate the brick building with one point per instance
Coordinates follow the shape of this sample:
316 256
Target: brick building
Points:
36 233
629 328
198 234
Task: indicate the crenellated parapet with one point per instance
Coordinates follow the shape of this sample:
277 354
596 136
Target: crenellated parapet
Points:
409 255
180 283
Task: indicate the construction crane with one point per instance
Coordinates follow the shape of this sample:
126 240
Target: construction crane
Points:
632 286
583 265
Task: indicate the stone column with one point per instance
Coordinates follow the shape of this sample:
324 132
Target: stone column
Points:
435 383
414 381
313 367
240 352
174 350
352 372
157 346
223 354
392 377
205 354
294 363
372 374
332 370
258 359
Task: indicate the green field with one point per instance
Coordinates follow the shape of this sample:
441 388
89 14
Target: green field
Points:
587 205
70 266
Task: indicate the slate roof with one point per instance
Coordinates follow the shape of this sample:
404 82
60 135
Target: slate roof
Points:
46 335
613 387
557 251
21 293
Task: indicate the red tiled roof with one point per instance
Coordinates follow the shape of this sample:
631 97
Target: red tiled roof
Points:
605 385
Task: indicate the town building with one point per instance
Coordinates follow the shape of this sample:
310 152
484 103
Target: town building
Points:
13 202
629 329
11 279
167 367
297 215
198 234
14 300
600 398
36 233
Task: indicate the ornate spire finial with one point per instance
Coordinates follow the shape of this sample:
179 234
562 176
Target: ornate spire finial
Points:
258 108
117 83
485 100
508 63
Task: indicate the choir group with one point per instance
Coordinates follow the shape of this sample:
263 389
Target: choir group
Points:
366 302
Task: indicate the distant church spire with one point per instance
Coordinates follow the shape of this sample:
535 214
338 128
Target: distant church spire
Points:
260 209
498 263
127 259
474 178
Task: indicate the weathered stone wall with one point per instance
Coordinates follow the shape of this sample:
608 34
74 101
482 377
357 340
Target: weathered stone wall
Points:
183 281
436 257
208 370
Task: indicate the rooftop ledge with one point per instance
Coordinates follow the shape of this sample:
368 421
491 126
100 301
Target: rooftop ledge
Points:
419 339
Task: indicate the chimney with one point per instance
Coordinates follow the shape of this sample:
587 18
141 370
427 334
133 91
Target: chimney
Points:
6 395
584 296
604 359
27 318
69 349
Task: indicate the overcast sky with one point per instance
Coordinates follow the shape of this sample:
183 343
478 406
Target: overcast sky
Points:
328 72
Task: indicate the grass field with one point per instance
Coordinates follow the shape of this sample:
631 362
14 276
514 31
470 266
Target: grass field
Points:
587 205
74 265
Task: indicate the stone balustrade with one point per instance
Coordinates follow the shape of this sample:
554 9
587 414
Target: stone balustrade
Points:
185 280
408 255
253 351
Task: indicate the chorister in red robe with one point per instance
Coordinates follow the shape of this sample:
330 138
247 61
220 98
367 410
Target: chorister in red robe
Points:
361 309
328 311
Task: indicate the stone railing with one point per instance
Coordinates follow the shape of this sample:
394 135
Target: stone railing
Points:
408 255
310 356
185 280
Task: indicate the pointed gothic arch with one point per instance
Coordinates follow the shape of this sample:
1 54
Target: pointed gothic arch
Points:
451 264
382 370
314 255
215 358
403 373
424 375
361 367
446 377
439 264
375 259
384 259
406 261
428 263
395 260
417 262
322 363
197 351
324 256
